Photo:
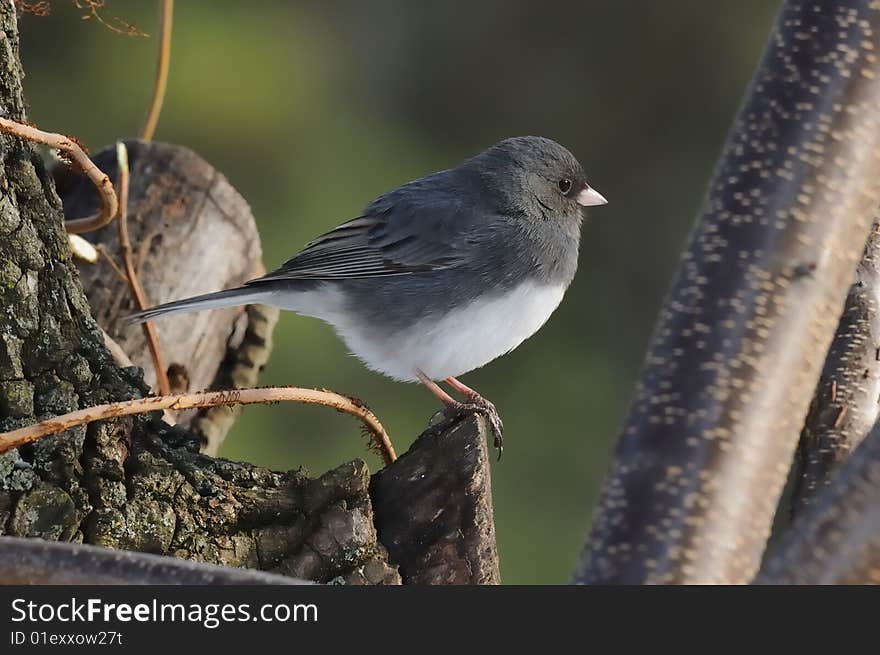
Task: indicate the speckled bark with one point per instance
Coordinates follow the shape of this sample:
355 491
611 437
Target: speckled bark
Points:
135 483
706 448
846 403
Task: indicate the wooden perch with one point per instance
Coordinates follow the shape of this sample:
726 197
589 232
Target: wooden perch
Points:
145 487
434 508
845 404
704 453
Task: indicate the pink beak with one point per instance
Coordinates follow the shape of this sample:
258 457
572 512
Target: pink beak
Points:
590 198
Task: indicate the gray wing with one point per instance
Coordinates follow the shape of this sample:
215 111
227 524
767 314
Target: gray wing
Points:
421 226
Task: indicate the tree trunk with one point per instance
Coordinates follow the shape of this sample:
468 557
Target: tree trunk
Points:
704 453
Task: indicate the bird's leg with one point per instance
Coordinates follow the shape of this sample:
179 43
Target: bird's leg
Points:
437 390
465 390
476 404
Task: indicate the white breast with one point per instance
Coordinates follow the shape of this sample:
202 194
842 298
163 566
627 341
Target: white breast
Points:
466 339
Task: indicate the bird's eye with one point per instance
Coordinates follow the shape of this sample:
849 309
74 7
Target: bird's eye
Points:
565 185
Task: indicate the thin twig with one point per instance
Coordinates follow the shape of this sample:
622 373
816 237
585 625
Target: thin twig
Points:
136 289
166 15
382 443
106 255
94 8
109 203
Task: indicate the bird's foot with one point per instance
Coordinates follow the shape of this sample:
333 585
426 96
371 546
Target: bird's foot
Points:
475 404
478 405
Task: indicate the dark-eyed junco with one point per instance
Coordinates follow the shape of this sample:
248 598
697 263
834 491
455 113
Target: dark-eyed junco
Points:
443 274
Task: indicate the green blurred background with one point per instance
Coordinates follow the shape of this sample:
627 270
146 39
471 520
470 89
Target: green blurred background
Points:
313 109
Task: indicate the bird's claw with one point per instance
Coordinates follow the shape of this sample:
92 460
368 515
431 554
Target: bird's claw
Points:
483 407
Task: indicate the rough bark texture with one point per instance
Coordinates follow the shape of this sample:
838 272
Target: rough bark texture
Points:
709 439
836 537
434 508
156 494
846 403
34 561
176 199
52 357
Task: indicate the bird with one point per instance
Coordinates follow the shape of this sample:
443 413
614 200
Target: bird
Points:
441 275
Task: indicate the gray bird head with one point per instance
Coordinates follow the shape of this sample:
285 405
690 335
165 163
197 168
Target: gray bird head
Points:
536 175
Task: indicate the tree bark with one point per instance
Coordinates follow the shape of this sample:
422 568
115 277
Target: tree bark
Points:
52 355
705 450
448 536
846 402
835 538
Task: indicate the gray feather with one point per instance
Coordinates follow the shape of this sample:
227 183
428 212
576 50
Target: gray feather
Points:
227 298
425 225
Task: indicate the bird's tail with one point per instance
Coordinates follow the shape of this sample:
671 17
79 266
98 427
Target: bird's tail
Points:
227 298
